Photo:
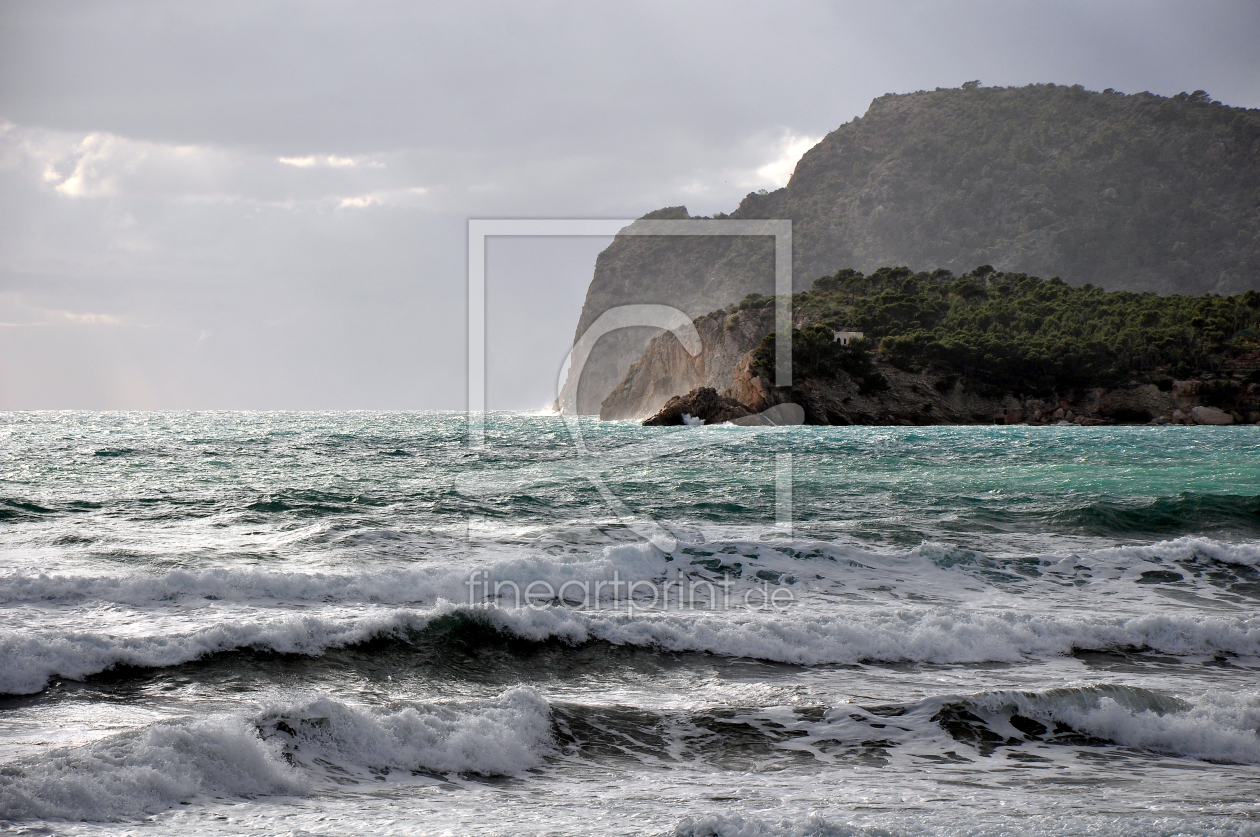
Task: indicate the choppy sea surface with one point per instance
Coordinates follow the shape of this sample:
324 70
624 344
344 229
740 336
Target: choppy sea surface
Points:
242 623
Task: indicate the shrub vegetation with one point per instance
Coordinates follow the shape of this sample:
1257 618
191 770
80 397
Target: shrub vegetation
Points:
1012 331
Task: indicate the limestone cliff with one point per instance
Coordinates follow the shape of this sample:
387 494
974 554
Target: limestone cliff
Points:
695 274
666 369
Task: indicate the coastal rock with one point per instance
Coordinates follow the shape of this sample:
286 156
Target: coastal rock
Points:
751 388
666 369
1186 394
701 403
1133 404
693 274
904 399
1210 415
924 398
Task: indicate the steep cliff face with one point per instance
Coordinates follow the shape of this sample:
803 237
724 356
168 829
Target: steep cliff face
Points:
666 369
695 274
1136 192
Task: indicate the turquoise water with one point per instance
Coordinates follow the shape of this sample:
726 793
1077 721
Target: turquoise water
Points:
901 484
230 623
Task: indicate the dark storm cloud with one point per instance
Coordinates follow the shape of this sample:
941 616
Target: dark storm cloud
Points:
263 204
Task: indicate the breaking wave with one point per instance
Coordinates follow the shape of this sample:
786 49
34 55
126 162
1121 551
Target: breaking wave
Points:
283 749
914 635
935 567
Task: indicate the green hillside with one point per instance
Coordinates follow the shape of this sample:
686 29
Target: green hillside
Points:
1015 332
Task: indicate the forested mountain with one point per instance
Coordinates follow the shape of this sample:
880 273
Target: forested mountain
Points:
1126 192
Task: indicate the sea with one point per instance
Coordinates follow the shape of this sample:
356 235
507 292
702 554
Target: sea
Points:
414 624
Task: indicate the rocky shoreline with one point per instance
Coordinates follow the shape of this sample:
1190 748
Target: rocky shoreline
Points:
724 367
933 400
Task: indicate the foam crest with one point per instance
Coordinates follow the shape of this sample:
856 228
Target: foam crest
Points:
28 660
907 634
1218 727
284 749
148 770
495 738
399 586
721 825
1190 550
933 570
931 635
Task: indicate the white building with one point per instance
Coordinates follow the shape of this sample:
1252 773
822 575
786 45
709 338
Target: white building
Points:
843 337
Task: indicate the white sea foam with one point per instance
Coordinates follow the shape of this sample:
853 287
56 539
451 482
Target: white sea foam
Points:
962 822
493 738
1218 726
28 660
927 569
903 634
283 749
1189 549
723 825
147 770
396 585
922 635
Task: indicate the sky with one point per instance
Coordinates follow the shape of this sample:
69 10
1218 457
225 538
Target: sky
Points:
263 205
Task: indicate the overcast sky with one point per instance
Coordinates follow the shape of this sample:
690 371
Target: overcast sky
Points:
263 205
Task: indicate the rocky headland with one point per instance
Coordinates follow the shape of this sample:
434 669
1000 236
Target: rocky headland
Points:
1126 191
985 348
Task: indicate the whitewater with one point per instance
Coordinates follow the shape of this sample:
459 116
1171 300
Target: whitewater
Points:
307 623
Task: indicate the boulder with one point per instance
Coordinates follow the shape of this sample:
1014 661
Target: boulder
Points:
701 403
1210 415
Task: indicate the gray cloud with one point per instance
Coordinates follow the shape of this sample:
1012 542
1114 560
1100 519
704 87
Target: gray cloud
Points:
262 205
